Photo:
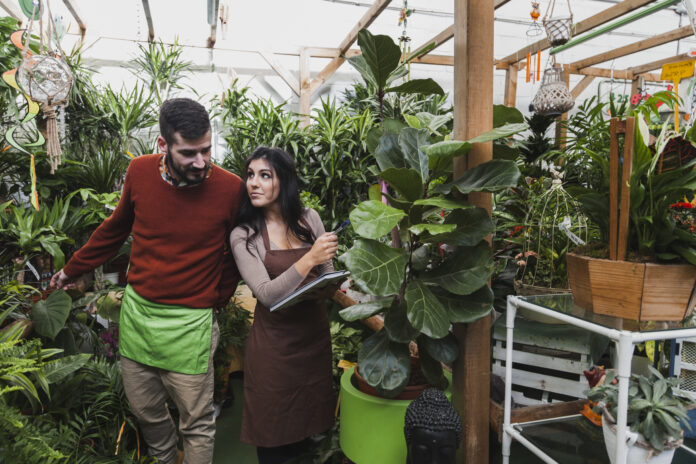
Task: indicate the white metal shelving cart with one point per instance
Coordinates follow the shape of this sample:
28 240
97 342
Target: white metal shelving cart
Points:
623 332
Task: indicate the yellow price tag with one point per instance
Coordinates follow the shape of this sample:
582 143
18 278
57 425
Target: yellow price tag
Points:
677 71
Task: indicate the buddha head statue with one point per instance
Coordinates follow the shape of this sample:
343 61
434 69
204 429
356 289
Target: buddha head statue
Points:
432 428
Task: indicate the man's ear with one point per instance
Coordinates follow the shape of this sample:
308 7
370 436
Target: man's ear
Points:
162 145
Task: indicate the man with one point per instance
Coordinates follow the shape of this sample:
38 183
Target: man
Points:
180 210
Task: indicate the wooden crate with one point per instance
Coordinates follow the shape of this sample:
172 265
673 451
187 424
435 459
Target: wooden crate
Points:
638 291
549 361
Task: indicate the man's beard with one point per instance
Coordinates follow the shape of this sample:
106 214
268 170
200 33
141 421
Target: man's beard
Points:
183 174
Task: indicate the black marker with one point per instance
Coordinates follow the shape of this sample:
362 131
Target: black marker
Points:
340 228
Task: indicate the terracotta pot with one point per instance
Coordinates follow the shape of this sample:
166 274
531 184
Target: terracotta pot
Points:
410 392
639 291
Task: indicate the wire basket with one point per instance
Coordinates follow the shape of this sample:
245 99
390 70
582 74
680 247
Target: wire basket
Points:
553 97
558 30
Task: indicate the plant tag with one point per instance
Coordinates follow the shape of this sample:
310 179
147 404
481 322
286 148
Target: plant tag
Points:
565 227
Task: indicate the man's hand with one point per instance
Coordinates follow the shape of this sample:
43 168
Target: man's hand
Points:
61 280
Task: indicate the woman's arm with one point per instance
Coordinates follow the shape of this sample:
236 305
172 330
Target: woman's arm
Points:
254 272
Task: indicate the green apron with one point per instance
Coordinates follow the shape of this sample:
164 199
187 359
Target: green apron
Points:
173 338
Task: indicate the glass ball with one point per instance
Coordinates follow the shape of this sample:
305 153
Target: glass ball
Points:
45 78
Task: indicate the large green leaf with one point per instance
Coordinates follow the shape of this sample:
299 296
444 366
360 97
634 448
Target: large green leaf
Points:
388 153
384 364
397 325
444 350
500 132
365 310
441 154
49 315
418 229
405 181
58 369
420 86
473 225
444 203
359 63
506 114
431 368
433 121
411 140
492 176
381 54
466 308
464 271
425 312
373 219
376 268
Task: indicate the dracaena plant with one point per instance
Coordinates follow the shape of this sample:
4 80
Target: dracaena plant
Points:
421 248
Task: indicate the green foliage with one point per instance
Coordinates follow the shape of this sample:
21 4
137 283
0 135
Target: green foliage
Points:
161 67
399 255
653 410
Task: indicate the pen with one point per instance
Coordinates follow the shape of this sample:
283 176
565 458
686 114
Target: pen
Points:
340 228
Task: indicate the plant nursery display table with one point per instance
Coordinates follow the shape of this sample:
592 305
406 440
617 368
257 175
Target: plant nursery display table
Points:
573 439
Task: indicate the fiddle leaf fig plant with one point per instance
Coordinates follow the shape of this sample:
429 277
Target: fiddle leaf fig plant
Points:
422 248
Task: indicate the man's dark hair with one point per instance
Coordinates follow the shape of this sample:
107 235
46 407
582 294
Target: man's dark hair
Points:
185 116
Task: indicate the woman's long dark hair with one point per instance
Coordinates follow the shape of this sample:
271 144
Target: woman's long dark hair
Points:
291 207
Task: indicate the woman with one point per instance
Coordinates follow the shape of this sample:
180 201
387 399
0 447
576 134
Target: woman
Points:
278 247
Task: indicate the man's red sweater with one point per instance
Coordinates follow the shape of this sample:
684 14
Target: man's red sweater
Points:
179 236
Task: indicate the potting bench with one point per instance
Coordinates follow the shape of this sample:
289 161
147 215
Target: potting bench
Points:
577 436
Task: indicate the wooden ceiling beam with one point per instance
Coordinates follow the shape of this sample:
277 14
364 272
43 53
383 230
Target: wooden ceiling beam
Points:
659 63
585 25
148 17
367 19
284 74
635 47
75 12
581 86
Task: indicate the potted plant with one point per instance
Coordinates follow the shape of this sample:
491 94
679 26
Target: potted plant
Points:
405 255
654 278
654 416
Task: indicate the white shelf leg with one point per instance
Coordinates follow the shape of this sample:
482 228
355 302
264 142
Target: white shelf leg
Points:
625 353
509 326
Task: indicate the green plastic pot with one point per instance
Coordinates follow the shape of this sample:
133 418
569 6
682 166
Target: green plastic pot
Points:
372 428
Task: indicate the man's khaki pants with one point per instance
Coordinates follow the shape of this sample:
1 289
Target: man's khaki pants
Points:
149 388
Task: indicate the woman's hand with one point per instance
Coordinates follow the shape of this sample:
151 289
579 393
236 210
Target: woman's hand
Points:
323 250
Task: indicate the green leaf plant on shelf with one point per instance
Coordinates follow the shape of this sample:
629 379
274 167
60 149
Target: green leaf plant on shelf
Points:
654 412
421 249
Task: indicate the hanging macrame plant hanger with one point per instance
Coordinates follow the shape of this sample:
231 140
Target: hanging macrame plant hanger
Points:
46 78
553 97
558 29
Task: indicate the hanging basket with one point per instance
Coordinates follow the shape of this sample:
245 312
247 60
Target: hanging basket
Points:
558 30
553 97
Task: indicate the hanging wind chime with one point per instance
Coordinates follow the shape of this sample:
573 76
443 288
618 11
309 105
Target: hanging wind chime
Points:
404 39
535 30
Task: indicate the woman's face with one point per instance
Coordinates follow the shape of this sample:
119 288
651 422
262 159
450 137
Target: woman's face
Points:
262 183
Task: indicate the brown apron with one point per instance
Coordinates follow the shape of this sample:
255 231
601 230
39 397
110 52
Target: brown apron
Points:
288 393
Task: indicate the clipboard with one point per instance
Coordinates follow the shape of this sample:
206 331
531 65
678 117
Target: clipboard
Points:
318 283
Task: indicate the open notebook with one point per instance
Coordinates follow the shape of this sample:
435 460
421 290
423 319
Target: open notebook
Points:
318 283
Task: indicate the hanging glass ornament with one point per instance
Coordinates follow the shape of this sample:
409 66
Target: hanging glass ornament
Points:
553 97
558 29
534 29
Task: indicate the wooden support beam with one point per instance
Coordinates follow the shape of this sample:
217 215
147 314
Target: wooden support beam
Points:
498 3
510 98
72 8
659 63
473 115
148 17
305 96
12 10
581 86
604 72
367 19
560 121
284 74
641 45
442 60
439 39
585 25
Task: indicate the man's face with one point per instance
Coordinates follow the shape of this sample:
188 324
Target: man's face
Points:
188 159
